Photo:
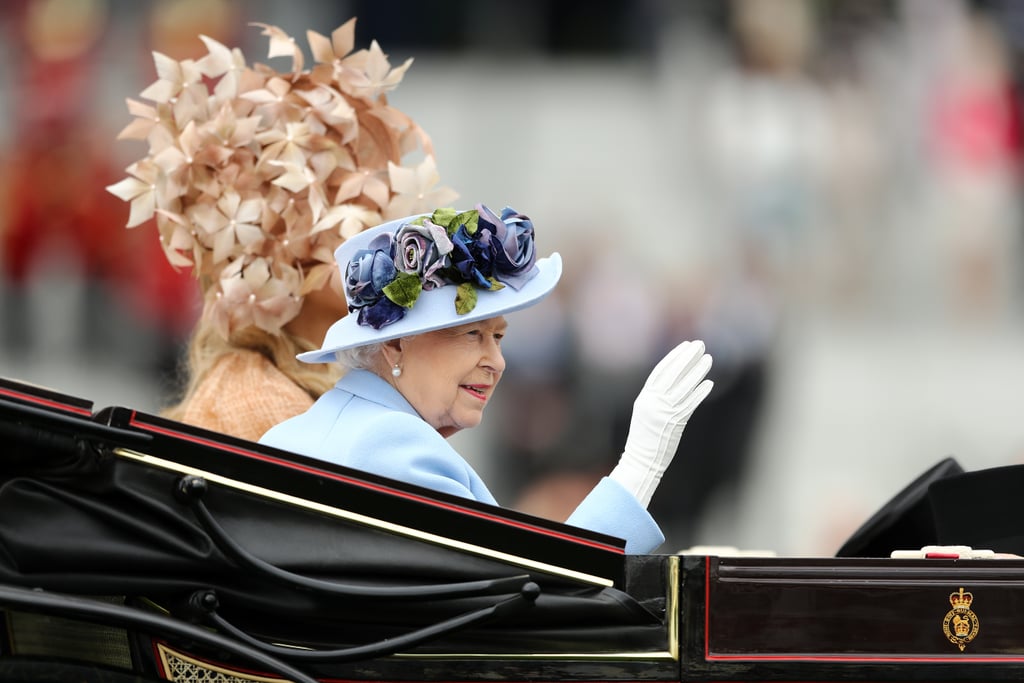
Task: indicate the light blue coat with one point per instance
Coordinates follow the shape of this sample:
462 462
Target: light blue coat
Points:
364 423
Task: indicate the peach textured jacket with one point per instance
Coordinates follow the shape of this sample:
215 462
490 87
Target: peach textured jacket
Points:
245 395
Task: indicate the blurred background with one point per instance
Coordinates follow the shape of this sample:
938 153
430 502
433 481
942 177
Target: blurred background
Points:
825 191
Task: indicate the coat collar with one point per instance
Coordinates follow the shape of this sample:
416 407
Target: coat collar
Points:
370 386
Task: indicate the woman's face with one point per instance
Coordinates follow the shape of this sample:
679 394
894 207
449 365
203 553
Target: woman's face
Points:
449 375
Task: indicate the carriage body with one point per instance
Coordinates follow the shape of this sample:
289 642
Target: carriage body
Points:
134 548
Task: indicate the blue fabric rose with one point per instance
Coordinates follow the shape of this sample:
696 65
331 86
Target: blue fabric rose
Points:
366 276
513 241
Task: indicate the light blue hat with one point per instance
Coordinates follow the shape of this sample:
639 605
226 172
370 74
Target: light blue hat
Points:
431 271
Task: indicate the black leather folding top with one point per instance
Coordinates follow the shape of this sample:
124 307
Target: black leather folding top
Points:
292 550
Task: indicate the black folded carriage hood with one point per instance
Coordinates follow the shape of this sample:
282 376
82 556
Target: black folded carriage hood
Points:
295 557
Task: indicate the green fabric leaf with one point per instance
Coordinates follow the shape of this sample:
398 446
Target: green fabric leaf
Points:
404 289
465 298
470 218
443 217
495 285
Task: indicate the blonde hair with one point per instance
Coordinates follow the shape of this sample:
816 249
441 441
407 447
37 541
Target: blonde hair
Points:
206 347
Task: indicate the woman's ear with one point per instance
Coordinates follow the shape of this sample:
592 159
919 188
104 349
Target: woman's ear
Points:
392 351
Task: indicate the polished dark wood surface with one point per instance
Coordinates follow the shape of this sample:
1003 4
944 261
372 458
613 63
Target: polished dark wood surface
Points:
849 619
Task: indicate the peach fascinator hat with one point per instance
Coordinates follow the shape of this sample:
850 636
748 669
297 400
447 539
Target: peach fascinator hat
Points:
255 176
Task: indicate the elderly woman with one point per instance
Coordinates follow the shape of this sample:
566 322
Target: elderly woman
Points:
427 297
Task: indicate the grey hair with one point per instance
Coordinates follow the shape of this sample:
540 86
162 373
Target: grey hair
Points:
360 357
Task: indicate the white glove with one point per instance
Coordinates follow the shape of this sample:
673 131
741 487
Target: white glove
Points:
673 390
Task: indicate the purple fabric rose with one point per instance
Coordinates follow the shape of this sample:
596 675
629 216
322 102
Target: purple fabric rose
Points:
514 250
383 312
423 251
473 255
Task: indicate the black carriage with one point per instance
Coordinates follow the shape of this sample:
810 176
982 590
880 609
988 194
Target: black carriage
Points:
137 549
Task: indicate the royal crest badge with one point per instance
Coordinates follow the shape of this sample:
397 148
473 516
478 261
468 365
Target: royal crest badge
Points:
960 623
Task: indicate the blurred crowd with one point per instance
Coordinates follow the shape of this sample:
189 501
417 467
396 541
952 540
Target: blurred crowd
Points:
729 171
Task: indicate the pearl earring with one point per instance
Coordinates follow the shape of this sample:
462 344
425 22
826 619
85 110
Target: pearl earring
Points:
396 371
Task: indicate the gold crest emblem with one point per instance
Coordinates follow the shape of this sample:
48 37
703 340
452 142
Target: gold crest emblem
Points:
960 624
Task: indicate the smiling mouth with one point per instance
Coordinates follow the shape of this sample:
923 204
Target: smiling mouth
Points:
479 391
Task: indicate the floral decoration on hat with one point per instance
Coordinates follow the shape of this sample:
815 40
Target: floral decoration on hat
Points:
473 250
254 176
